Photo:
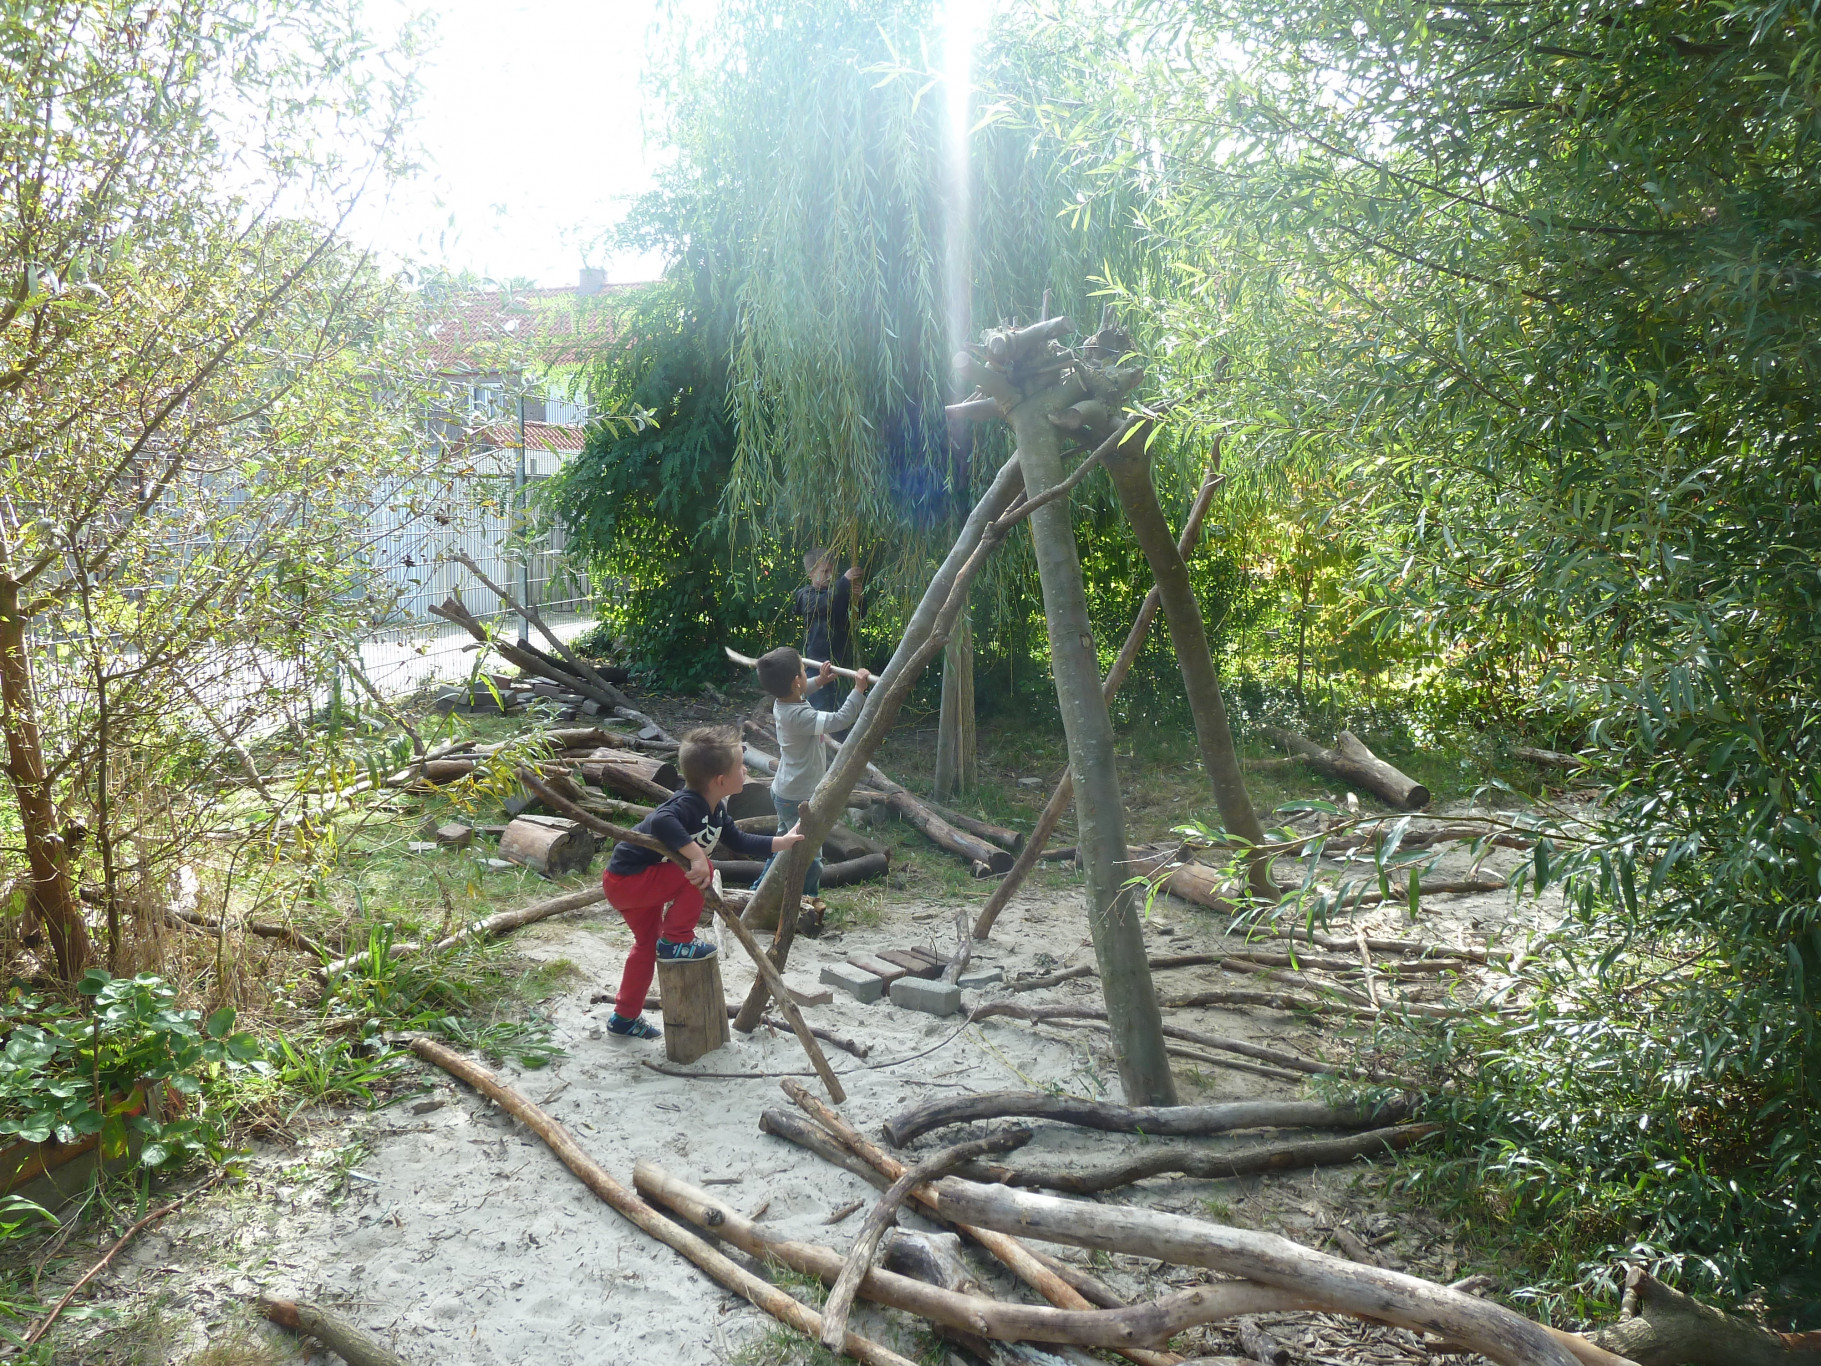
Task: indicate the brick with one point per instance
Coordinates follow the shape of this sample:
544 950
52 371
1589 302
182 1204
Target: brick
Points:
975 978
932 998
805 995
912 963
884 971
865 987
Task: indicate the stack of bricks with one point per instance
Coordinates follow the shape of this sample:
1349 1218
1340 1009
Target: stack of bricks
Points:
912 977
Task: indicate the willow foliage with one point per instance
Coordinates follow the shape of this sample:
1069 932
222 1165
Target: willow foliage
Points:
1537 282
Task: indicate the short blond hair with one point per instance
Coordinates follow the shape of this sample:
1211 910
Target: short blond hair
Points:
707 752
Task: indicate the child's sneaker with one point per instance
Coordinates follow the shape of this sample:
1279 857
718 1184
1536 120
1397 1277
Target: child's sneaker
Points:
695 948
639 1028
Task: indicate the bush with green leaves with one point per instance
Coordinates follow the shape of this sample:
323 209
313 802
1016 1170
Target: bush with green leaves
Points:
68 1073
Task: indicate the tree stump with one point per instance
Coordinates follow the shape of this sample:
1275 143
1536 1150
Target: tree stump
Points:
695 1009
548 844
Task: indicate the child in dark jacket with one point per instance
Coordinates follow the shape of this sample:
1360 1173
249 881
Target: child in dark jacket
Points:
661 902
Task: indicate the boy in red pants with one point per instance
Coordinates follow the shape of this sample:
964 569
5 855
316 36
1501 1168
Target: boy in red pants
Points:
661 902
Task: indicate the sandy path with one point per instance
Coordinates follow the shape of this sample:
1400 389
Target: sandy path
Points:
461 1239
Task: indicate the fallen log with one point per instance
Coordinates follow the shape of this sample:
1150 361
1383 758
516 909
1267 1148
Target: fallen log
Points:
1159 1159
631 776
1014 1255
859 1262
936 1258
1356 766
493 925
572 671
1547 758
762 1294
1009 840
745 872
1128 1330
284 934
1660 1326
1409 948
1159 1121
984 859
1220 1043
338 1335
548 845
1336 1285
452 610
1052 979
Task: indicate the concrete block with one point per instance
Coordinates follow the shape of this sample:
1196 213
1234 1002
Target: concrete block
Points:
422 847
932 998
806 995
455 835
975 978
865 987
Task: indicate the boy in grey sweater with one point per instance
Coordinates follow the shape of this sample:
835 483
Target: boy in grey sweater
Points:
801 725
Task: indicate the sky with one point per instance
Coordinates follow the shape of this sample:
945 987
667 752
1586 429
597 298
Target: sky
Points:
529 125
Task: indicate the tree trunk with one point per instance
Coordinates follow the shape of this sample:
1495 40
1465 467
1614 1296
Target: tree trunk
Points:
52 898
1130 467
1114 917
957 759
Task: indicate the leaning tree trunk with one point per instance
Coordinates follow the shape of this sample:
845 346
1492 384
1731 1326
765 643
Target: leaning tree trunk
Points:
1114 917
1130 467
52 898
930 625
957 759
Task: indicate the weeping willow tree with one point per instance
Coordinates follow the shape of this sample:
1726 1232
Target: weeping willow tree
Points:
797 352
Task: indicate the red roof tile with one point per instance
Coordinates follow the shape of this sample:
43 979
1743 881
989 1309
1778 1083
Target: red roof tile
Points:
479 331
539 436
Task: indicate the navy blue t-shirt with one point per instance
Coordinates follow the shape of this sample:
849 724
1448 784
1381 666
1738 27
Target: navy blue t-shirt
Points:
682 820
826 610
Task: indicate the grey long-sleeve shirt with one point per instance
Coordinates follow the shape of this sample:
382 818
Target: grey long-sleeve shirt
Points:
801 760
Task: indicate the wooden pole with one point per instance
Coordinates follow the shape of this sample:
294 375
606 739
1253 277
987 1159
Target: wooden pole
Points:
339 1336
1064 794
1114 918
925 634
1130 468
736 1278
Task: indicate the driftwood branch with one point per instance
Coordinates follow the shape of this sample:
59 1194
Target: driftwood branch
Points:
1159 1121
736 1278
1159 1159
502 923
604 690
1338 1286
1128 1330
1016 1257
1661 1326
338 1335
840 1300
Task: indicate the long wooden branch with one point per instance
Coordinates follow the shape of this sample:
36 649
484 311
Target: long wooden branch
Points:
576 663
1339 1286
736 1278
1159 1159
497 924
1064 795
1127 1330
339 1336
1016 1257
924 637
840 1300
1160 1121
768 972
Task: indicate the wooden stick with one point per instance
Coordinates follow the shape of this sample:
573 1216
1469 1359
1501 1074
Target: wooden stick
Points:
730 1274
493 925
1339 1286
114 1251
1218 1042
1192 1160
840 1300
1014 1254
1051 979
1063 796
814 665
1159 1121
264 930
573 662
1124 1330
768 972
339 1336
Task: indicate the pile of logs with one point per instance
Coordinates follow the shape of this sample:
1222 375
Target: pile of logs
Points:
1259 1273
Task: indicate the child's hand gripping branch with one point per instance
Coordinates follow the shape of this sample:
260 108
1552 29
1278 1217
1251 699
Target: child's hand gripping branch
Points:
661 902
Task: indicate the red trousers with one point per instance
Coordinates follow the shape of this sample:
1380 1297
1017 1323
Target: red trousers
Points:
659 902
